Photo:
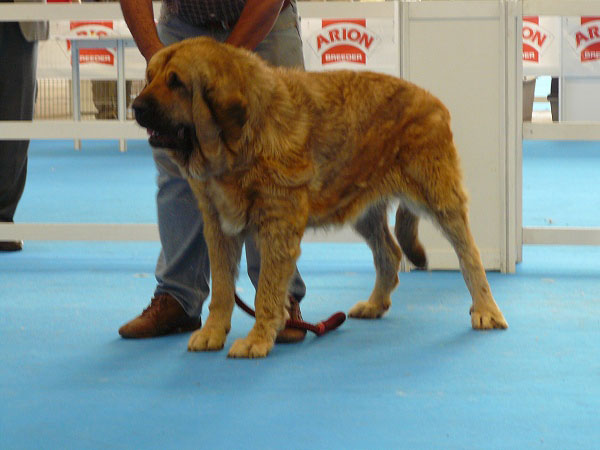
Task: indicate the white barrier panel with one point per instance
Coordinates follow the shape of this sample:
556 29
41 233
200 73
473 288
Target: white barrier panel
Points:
467 53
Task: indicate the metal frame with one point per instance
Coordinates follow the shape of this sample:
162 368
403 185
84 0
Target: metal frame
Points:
122 130
120 44
565 131
562 235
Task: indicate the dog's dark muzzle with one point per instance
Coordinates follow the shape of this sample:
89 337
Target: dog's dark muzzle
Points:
145 112
163 133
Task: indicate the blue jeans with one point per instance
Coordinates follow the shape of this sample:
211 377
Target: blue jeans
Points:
183 269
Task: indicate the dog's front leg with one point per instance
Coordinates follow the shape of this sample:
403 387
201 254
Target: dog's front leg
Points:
224 253
279 246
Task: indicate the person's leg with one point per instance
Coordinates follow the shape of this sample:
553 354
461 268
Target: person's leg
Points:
297 287
182 270
17 97
282 47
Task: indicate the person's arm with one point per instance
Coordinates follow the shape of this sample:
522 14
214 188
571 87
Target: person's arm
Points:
139 17
255 23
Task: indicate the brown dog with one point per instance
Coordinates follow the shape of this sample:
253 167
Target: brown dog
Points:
272 151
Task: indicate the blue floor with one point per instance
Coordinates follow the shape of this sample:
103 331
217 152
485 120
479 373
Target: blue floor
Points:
96 185
419 378
561 184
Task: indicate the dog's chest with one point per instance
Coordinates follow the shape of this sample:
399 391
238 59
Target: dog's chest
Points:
231 205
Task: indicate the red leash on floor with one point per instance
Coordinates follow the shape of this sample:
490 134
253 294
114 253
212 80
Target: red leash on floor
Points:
319 329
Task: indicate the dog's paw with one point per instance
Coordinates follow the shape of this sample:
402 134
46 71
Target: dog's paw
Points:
207 339
368 310
250 348
487 318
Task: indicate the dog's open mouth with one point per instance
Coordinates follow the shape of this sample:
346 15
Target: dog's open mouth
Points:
181 138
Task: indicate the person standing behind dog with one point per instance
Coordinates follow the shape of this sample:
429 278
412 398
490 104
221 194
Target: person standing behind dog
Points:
270 28
18 64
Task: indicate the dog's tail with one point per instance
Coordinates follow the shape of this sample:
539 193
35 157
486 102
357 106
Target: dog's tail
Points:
407 233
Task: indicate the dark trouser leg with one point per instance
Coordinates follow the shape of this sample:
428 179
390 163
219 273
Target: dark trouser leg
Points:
17 97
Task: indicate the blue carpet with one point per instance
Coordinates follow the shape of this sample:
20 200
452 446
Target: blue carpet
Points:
560 183
98 184
419 378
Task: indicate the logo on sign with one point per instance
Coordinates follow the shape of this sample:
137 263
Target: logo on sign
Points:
536 39
344 41
93 29
587 39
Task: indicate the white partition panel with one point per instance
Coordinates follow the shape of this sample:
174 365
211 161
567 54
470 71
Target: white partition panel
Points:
473 84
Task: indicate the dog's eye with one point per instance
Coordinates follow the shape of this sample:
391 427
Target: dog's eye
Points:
173 81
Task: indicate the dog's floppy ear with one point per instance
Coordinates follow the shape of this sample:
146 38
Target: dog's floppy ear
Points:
229 108
207 130
219 115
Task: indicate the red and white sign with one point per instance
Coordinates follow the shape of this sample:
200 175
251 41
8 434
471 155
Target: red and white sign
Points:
54 56
94 29
587 39
359 44
581 68
582 46
345 40
541 48
536 39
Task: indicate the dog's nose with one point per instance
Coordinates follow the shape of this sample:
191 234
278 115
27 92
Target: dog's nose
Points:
140 108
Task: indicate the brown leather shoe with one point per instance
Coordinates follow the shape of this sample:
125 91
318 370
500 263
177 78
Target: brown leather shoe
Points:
11 246
292 335
163 316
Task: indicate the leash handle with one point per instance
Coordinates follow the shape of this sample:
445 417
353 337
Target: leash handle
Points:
319 329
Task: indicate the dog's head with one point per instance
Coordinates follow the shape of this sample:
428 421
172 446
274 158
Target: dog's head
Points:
194 104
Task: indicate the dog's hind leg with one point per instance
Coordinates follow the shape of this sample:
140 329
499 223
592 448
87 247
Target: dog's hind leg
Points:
407 233
373 226
452 217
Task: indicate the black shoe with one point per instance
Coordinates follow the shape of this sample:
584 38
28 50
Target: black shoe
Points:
11 246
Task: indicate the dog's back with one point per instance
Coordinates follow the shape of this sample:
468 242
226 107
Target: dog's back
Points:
370 136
